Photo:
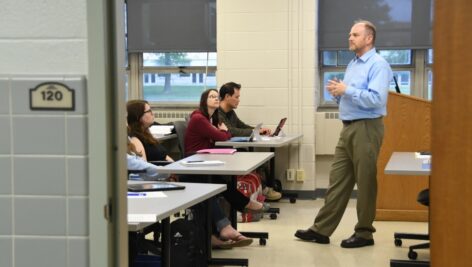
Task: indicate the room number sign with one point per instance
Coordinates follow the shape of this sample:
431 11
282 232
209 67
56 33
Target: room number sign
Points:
52 96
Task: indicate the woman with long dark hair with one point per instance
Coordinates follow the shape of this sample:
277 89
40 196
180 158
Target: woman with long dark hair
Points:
140 117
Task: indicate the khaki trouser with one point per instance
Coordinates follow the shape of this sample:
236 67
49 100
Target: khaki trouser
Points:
355 162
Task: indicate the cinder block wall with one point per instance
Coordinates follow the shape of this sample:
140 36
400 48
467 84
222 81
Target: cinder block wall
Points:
43 155
269 46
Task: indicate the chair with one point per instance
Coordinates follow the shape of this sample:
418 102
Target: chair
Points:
180 128
423 198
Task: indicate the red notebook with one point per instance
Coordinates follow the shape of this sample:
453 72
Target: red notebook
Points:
217 151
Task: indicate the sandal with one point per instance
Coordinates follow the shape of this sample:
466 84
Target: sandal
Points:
240 241
217 243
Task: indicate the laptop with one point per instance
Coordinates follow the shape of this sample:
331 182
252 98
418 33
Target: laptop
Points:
156 186
279 127
247 138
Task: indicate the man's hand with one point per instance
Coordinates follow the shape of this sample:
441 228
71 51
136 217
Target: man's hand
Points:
265 131
336 87
222 127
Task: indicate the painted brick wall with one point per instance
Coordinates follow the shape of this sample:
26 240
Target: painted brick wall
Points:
43 155
269 46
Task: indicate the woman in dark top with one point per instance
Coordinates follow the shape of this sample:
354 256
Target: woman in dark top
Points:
140 118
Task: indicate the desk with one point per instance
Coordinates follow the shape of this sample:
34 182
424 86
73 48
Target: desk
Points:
239 163
163 208
406 163
272 143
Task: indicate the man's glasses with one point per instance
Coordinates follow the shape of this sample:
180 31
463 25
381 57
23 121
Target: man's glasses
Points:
148 111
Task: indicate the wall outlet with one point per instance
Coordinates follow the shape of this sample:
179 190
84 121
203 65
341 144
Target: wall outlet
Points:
291 173
300 175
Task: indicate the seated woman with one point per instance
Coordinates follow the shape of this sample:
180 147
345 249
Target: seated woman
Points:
140 118
202 131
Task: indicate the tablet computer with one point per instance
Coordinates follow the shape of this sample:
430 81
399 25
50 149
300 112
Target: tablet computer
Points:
157 186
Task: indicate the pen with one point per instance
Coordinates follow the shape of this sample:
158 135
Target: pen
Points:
137 194
193 161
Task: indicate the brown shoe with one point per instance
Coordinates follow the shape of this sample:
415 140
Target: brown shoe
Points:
271 194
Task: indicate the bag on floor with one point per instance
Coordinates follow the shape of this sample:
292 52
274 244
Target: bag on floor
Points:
250 186
188 242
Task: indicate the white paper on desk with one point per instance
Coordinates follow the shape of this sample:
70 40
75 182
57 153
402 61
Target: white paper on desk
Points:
200 163
146 194
141 217
161 129
269 138
419 156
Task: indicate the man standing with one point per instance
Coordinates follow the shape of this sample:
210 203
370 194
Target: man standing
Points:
229 101
362 99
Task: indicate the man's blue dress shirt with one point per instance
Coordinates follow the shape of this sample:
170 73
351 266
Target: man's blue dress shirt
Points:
367 79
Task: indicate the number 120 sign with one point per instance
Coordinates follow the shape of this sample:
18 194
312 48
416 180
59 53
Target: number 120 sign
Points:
52 96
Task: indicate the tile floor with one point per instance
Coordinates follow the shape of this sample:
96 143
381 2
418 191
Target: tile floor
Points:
283 249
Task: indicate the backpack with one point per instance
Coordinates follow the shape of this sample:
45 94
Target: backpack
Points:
250 186
188 241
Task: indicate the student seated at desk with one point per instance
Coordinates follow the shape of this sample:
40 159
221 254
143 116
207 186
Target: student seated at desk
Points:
202 131
136 164
229 101
140 118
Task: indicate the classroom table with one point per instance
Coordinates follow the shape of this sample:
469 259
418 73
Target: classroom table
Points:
239 163
151 207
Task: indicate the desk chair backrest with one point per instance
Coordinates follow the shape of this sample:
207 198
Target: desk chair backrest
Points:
180 128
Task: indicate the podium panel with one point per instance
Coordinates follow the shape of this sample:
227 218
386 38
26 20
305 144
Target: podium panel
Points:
407 129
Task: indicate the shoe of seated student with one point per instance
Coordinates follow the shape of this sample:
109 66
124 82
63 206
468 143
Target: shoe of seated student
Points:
271 194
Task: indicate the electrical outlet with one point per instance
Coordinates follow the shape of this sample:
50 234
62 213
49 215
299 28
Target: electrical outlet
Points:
291 174
300 175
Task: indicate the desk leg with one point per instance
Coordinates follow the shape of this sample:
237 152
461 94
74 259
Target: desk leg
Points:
208 229
271 179
233 214
166 260
132 248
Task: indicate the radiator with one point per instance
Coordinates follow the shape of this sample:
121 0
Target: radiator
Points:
327 130
166 116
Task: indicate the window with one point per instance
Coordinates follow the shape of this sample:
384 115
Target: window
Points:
174 79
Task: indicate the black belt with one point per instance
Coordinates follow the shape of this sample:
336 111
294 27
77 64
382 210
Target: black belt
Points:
347 122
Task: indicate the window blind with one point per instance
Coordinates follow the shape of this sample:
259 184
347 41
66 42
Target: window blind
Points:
171 25
400 23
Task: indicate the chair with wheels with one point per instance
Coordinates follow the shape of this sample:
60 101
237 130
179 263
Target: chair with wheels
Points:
423 198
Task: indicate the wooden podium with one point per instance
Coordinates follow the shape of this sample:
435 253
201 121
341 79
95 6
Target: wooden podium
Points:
407 128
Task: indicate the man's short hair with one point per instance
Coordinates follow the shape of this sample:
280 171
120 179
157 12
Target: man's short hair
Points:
370 27
228 89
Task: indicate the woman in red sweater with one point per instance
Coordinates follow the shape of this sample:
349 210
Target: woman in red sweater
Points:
203 129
